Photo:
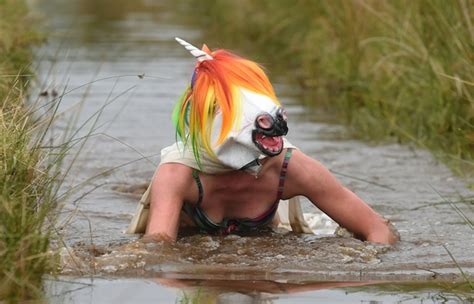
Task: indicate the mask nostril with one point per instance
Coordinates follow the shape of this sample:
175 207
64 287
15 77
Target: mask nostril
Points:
265 121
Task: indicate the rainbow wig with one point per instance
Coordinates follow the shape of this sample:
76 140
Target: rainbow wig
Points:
215 87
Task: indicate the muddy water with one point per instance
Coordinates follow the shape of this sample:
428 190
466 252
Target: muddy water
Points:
127 50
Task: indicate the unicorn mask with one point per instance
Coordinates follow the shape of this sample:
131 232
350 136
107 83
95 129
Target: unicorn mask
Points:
230 110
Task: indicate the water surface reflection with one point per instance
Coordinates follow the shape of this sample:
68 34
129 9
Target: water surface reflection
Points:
213 291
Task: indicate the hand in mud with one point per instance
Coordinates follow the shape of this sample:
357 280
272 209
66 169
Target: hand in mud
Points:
156 238
388 236
395 235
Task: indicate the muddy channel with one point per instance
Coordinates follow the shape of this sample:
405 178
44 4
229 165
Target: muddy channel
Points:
121 73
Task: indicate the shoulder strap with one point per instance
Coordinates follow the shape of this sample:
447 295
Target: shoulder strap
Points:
284 169
199 185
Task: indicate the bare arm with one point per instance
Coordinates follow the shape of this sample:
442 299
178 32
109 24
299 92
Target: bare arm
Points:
309 178
169 187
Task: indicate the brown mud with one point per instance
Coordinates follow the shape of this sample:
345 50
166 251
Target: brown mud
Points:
271 256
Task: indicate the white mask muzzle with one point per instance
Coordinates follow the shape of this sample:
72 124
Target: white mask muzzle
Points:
260 131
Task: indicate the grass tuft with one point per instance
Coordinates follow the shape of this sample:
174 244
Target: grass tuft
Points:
26 175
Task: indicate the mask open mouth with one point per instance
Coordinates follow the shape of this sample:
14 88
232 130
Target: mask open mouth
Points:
269 132
268 145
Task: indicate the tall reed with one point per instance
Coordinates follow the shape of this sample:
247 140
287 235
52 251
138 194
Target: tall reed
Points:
390 69
26 175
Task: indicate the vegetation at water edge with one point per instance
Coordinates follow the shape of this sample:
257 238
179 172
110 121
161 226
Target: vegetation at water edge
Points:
396 70
26 187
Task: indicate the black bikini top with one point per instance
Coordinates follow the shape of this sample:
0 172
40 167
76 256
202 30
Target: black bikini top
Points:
227 226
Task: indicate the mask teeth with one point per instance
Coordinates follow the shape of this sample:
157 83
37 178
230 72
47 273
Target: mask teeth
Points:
199 54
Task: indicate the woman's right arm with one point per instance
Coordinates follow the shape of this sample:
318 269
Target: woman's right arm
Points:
170 185
310 178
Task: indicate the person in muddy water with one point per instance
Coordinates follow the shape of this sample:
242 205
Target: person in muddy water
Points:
232 164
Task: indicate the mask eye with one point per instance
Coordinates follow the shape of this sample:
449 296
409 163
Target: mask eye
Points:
282 113
265 121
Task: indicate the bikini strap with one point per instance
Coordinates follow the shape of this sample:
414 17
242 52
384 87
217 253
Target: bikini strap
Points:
199 185
284 169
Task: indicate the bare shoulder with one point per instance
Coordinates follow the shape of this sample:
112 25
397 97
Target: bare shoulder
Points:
302 167
307 176
174 169
173 178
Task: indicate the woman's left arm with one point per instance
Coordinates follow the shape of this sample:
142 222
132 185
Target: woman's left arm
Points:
310 178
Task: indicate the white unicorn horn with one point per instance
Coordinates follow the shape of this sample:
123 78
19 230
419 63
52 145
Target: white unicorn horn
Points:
200 55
